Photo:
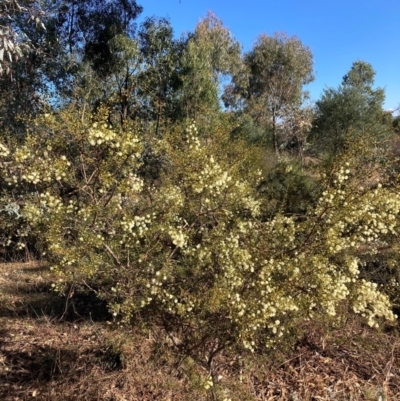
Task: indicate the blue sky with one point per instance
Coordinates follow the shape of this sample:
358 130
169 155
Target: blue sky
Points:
338 32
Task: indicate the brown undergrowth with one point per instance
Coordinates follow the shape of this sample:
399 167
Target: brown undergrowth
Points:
55 348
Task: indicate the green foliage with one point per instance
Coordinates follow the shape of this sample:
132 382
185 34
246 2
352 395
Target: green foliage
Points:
192 250
23 47
288 189
361 75
276 70
13 41
249 130
159 80
210 54
91 25
354 109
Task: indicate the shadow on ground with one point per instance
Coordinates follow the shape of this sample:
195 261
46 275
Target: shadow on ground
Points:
32 364
37 300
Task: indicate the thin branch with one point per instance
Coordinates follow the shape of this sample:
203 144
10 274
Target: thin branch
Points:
112 254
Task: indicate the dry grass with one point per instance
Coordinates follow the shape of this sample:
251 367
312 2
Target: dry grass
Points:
85 357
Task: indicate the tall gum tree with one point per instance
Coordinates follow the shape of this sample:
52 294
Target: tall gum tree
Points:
86 59
276 69
211 54
352 109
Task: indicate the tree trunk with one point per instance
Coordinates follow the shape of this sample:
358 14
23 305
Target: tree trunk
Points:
274 136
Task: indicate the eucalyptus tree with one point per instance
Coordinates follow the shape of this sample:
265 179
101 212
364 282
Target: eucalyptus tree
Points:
159 79
142 80
23 50
90 25
210 56
89 39
13 41
276 69
351 110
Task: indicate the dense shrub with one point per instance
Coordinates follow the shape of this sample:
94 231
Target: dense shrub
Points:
191 248
289 189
